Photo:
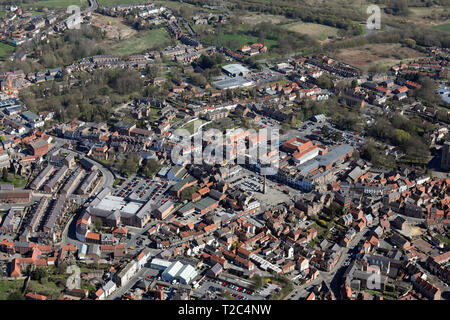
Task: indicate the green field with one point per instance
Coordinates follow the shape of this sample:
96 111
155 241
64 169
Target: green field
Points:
112 3
142 41
443 27
5 51
17 181
56 3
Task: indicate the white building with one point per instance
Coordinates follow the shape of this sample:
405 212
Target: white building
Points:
175 271
109 288
127 273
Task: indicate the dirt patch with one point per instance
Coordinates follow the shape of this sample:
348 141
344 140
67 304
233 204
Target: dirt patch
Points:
384 55
114 27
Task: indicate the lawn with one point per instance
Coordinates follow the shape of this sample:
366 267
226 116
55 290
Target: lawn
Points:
5 51
144 40
317 31
17 181
443 27
56 3
191 126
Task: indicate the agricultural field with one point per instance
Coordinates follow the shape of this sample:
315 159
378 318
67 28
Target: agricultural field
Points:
143 40
381 55
317 31
56 3
5 51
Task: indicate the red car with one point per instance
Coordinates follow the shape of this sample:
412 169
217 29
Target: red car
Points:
223 284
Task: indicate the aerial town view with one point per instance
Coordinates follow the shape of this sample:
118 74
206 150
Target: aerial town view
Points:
224 151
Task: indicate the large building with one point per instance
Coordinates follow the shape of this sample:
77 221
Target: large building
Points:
232 83
235 69
303 150
114 210
39 147
176 270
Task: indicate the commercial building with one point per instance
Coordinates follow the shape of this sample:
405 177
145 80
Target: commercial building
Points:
235 69
232 83
184 273
114 210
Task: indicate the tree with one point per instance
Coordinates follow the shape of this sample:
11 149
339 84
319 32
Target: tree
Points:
151 167
39 274
16 295
5 175
198 79
98 224
130 165
324 82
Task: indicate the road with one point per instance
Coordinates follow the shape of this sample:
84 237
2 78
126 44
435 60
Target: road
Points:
334 278
122 290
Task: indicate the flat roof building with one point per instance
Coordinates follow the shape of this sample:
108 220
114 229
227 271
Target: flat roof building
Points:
235 69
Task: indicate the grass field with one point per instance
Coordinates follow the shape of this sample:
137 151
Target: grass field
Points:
317 31
112 3
5 51
47 289
17 181
191 126
56 3
257 18
382 55
443 27
142 41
